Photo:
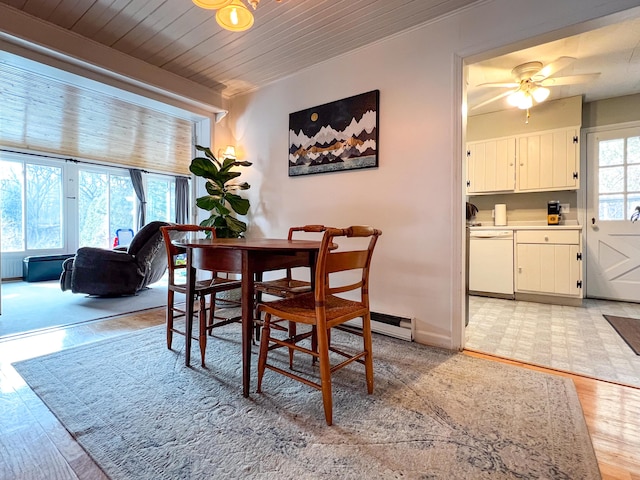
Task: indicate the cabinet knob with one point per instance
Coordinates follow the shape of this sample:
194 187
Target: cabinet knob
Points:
546 239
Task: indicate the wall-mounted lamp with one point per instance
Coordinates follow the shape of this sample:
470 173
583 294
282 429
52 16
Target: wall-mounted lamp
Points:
229 152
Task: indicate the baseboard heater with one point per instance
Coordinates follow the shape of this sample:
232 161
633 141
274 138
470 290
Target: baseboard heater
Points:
391 325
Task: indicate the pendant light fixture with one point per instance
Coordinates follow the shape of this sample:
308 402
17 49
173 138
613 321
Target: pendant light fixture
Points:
235 17
231 15
212 4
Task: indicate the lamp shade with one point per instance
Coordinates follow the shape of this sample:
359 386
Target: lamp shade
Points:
212 4
540 94
229 152
516 98
235 17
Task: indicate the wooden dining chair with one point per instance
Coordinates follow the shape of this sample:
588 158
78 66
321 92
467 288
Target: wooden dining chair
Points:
324 309
204 288
287 286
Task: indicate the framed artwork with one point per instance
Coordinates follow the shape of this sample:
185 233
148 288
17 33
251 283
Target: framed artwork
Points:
336 136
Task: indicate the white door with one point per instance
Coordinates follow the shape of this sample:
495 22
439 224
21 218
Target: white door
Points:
613 192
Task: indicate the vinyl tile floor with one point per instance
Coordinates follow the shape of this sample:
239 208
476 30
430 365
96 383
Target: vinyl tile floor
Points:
571 339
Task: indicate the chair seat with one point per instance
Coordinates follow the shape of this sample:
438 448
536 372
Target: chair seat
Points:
204 287
283 287
302 307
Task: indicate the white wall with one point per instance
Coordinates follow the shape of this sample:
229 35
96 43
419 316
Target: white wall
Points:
415 196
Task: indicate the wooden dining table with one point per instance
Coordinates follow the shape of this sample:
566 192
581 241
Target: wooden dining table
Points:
250 258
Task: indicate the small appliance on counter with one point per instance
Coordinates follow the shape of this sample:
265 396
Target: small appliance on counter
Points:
554 212
500 214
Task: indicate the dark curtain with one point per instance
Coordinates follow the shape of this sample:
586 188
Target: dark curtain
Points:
182 200
138 187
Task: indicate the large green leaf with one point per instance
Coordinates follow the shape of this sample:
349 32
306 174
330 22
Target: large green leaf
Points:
210 203
214 189
235 225
207 151
239 204
203 167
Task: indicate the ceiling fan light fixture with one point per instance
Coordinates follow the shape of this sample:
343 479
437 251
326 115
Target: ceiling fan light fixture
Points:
235 17
516 98
520 99
212 4
540 94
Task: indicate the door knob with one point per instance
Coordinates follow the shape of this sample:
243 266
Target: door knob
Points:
593 220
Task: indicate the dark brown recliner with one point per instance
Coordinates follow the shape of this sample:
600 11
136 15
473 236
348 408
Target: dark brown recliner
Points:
103 272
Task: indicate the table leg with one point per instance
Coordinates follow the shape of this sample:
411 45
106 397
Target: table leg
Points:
188 327
247 320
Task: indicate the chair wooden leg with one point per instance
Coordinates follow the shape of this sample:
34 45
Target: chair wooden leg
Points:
170 295
256 316
212 312
325 374
368 359
202 334
264 349
292 334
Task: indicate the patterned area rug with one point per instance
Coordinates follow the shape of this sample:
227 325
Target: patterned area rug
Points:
132 404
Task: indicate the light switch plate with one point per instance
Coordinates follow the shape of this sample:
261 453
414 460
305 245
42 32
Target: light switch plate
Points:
565 207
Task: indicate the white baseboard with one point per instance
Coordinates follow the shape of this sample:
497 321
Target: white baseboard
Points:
401 332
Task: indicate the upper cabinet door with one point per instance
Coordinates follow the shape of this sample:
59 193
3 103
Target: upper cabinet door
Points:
491 166
548 161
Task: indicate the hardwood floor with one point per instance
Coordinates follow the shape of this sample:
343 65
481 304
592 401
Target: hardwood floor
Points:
34 445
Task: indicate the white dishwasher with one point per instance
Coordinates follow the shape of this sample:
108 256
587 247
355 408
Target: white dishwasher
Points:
491 262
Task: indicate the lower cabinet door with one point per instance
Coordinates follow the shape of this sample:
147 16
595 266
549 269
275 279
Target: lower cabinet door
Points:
548 269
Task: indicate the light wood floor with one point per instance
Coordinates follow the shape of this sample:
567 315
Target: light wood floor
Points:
34 445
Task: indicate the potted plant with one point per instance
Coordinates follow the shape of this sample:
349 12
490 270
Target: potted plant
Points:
222 200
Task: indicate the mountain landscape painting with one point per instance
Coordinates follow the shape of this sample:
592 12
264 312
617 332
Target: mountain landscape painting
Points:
336 136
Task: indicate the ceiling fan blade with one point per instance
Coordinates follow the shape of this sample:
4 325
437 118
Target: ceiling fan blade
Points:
497 84
568 80
551 68
492 99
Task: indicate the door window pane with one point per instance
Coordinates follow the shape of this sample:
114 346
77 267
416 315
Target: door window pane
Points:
611 207
618 177
11 198
611 179
633 150
160 199
122 209
44 207
93 200
611 152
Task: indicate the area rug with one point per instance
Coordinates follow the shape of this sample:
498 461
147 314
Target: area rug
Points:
628 329
29 306
141 414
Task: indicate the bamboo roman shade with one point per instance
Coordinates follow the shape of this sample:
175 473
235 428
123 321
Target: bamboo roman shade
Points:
43 114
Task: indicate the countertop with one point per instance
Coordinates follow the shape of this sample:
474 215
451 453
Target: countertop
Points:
530 225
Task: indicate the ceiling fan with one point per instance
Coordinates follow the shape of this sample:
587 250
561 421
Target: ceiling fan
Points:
531 81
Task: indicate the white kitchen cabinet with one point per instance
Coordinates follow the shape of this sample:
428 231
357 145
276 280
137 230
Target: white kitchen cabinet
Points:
491 166
549 262
548 161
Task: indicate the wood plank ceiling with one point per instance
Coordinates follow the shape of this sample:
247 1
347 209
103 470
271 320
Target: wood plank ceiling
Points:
287 36
45 114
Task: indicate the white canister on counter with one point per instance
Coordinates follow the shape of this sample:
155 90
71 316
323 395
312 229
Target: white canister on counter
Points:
500 214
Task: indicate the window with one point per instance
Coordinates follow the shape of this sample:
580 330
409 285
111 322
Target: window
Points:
105 204
160 194
32 203
618 177
40 214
